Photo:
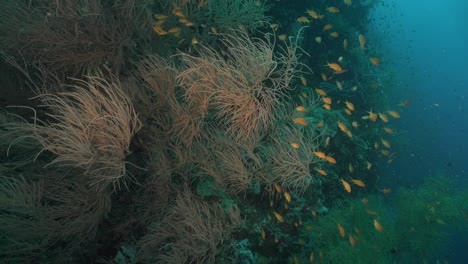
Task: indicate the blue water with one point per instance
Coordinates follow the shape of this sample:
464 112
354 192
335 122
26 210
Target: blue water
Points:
425 43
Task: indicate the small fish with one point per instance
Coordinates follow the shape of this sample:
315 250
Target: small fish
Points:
345 44
294 145
370 212
327 141
320 91
346 185
303 19
339 85
358 183
320 154
334 34
355 124
386 190
333 9
362 41
330 159
378 226
372 116
160 31
303 80
282 37
341 230
322 172
327 100
349 105
194 41
327 27
327 106
160 16
342 127
368 165
352 241
318 40
388 130
349 133
350 168
383 117
301 109
300 121
263 234
287 196
385 152
365 201
242 27
324 77
335 67
278 217
406 103
385 143
277 188
312 14
320 124
348 112
375 61
394 114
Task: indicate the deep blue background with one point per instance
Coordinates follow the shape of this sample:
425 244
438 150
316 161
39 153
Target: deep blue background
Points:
425 43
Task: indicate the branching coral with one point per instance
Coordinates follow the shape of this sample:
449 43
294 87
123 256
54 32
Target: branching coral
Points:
91 128
191 232
242 85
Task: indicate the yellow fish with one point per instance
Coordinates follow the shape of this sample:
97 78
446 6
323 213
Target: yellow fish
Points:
287 196
378 226
349 105
394 114
278 217
300 121
346 185
358 183
341 230
362 41
303 19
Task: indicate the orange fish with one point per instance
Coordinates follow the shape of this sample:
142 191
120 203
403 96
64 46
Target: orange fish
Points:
287 196
394 114
341 230
303 80
320 91
352 241
405 103
330 159
342 127
312 14
333 9
349 105
388 130
303 19
320 154
385 143
294 145
358 183
378 226
375 61
322 172
300 121
327 100
346 185
327 27
277 188
334 34
372 116
278 217
327 106
362 41
386 190
301 109
335 67
365 201
383 117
